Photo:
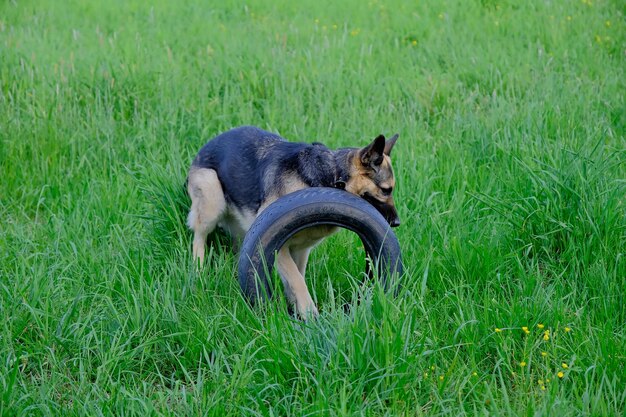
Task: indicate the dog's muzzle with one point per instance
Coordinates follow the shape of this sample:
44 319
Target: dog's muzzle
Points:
394 222
388 211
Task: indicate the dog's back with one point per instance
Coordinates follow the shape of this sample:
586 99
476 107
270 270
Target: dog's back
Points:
254 167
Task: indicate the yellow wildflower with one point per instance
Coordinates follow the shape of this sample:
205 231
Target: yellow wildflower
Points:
560 374
474 373
564 365
544 354
414 43
497 330
522 364
525 329
568 329
546 336
543 387
441 377
541 326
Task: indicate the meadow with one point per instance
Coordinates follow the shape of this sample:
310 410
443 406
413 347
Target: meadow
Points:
511 185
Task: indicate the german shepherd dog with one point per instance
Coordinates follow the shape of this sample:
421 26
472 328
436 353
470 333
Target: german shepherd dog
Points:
236 175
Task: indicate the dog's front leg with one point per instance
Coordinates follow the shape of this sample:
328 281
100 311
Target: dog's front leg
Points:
295 287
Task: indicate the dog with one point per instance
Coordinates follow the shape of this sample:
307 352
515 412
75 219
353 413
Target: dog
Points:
237 174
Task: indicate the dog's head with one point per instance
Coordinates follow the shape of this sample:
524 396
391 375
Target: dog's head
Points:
371 177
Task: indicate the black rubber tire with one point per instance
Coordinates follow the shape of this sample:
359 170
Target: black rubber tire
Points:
313 207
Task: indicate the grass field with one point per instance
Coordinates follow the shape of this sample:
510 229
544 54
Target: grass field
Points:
511 168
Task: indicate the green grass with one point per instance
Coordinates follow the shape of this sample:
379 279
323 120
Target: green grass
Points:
511 170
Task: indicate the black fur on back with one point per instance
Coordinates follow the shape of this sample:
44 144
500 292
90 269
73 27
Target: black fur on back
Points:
253 164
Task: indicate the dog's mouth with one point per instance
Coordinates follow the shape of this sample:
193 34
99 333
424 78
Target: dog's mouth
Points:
388 211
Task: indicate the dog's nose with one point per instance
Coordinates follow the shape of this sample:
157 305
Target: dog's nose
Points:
395 222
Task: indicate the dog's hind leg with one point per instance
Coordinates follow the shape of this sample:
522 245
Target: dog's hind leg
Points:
207 207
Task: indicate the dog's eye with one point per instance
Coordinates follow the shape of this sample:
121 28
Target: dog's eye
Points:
386 190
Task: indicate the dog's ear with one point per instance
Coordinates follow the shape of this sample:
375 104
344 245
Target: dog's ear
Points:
390 143
372 154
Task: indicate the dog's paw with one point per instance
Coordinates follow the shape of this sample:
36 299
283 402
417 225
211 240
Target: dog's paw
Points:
308 311
198 264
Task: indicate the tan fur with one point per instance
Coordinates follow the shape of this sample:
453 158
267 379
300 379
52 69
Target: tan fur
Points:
304 241
237 222
361 182
290 185
207 207
292 260
296 290
293 257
